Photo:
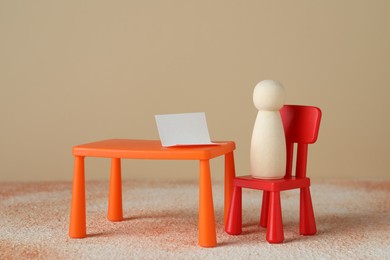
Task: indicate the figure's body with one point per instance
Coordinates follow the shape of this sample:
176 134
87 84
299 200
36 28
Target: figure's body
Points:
268 145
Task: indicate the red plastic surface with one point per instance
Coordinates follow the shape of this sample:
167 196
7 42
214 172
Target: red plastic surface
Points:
301 126
151 149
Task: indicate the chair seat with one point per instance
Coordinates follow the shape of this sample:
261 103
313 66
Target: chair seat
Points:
286 183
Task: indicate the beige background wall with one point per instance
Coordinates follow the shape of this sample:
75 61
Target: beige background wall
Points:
72 72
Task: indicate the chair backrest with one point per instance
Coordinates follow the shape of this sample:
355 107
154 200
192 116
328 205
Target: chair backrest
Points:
301 125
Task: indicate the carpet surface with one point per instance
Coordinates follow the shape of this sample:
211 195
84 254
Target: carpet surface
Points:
161 218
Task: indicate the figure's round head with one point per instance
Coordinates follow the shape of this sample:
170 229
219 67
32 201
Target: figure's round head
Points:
268 95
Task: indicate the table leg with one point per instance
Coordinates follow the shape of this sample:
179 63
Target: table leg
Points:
115 212
230 173
77 225
207 233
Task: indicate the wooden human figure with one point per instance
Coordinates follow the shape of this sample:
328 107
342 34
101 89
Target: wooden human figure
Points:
268 145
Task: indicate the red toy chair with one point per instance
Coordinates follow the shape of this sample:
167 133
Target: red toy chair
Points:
301 125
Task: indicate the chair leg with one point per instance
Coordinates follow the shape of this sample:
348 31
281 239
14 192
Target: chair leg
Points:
234 221
228 188
307 223
275 233
264 209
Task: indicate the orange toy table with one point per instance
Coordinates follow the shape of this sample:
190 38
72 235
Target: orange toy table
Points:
118 149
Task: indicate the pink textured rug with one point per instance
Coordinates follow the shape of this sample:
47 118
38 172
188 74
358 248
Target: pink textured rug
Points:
161 222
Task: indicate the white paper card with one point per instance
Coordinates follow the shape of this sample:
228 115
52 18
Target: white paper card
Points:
183 129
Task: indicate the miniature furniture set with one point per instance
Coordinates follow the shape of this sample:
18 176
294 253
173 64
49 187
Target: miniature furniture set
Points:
277 129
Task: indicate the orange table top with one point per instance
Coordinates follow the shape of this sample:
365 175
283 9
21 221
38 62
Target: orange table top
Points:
151 149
